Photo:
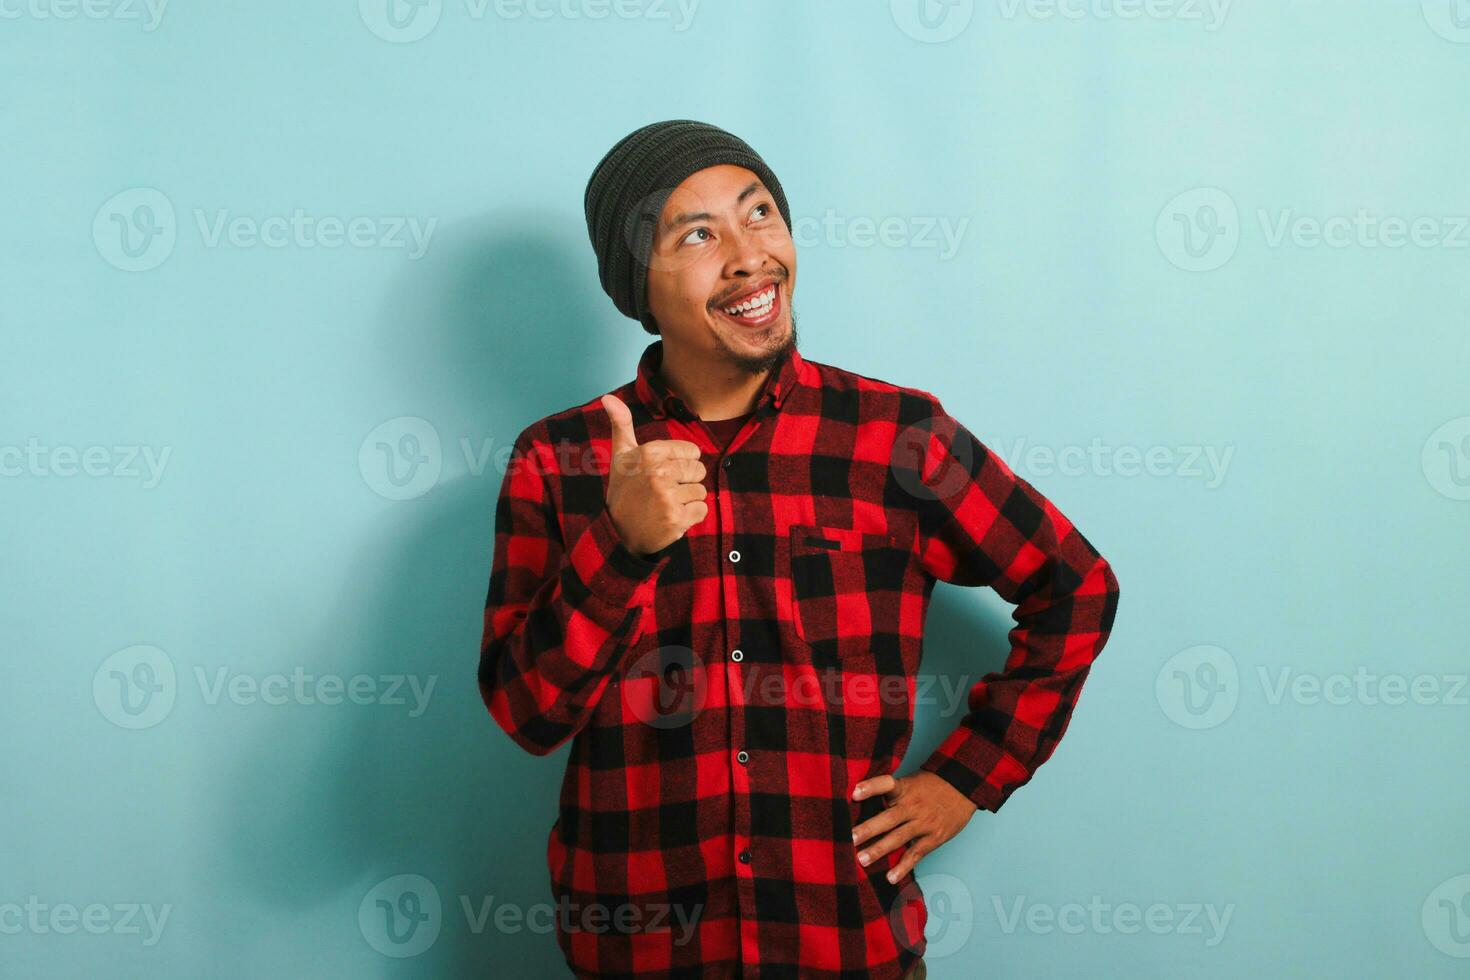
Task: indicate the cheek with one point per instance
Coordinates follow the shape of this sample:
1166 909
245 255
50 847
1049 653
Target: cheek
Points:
783 250
696 299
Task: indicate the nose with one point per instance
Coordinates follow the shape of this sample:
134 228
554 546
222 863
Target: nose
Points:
746 254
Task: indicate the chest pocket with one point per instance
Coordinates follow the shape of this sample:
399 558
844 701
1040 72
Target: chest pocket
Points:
834 573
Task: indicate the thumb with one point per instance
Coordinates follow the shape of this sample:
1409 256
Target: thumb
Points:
621 420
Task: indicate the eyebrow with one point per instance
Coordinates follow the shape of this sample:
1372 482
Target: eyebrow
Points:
685 218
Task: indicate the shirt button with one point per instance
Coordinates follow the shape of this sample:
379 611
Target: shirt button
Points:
734 556
743 757
726 463
744 857
737 655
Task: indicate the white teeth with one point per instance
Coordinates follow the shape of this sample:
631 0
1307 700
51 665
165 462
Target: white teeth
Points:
759 305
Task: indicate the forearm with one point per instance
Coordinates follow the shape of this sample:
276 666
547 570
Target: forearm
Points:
559 620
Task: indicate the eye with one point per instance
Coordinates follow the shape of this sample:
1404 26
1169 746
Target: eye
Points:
696 231
766 208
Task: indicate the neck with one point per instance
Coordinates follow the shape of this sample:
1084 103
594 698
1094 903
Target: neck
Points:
714 388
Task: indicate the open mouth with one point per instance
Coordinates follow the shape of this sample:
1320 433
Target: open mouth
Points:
758 309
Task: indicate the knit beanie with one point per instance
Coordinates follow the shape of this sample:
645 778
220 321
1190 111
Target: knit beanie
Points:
631 185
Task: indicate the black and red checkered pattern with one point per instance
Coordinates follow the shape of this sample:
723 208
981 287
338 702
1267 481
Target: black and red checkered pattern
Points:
723 696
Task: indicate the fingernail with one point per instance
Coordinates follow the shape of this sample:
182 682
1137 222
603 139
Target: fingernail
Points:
892 877
863 859
854 836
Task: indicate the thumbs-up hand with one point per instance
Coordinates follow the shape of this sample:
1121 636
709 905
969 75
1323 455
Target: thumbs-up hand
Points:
654 491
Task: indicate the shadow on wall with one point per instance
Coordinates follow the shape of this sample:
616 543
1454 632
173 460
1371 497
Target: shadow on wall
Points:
496 328
964 639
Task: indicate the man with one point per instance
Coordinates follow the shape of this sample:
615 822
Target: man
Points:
713 581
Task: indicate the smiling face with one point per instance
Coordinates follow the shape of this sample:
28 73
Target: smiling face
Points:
723 270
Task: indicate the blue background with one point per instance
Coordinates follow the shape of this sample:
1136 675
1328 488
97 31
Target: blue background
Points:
1135 278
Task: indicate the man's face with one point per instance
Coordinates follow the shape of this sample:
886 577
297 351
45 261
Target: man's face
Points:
720 247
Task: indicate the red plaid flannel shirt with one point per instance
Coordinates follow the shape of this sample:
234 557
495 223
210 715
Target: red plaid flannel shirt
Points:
723 696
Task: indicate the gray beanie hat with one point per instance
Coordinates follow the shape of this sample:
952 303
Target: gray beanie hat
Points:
631 185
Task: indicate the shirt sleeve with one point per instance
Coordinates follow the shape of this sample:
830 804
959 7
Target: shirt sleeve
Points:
559 620
981 524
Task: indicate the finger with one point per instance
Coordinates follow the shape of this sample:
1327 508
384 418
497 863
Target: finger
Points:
891 841
911 857
657 449
621 421
868 787
680 470
899 787
673 472
874 826
687 492
694 512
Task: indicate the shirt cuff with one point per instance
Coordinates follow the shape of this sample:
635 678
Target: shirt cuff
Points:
610 571
977 767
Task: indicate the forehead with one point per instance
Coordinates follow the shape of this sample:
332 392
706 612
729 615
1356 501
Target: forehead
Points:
712 190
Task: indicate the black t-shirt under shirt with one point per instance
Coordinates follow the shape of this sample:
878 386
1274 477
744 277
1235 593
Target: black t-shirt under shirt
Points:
726 429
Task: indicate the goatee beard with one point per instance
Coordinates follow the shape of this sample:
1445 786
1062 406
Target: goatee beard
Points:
759 363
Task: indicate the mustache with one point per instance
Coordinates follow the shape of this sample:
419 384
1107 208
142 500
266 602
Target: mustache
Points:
777 276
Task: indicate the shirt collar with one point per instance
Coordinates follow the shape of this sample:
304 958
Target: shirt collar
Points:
650 389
